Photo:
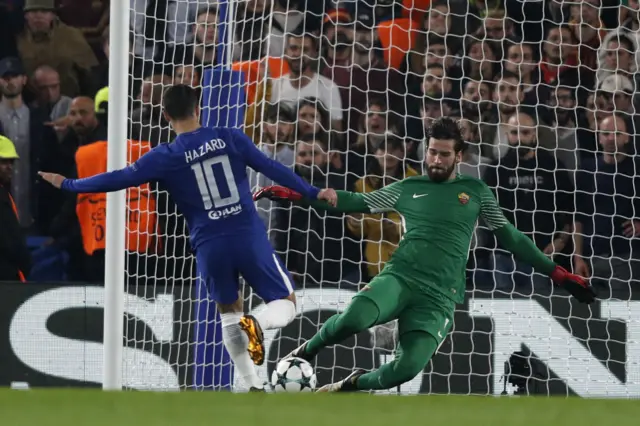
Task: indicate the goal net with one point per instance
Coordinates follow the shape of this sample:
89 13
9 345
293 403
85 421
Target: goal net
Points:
342 92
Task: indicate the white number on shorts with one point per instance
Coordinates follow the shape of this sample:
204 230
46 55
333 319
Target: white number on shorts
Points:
209 189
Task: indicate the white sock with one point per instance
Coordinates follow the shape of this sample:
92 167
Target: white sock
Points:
277 314
237 343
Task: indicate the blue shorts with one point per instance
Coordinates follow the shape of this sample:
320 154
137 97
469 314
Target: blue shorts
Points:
221 262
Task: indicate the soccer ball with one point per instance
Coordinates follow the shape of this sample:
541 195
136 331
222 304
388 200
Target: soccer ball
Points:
293 375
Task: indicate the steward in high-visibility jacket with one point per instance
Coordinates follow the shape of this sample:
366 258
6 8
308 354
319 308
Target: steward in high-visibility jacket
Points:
15 258
91 209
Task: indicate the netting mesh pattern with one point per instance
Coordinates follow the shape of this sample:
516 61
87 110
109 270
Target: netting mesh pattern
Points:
342 92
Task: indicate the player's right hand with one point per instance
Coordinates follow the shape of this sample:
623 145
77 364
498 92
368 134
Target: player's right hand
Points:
53 178
574 284
277 193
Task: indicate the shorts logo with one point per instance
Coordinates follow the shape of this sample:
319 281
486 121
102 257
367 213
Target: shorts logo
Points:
463 198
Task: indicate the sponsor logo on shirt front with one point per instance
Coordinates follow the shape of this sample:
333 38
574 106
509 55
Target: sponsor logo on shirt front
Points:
229 211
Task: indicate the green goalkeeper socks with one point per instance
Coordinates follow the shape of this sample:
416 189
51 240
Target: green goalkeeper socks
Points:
361 314
417 348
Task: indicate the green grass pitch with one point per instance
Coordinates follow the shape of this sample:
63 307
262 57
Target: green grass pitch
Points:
97 408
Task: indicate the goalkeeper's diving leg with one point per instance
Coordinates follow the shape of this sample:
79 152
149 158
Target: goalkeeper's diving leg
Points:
384 299
242 335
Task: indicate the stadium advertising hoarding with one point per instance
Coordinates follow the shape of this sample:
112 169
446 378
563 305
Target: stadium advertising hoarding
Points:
51 336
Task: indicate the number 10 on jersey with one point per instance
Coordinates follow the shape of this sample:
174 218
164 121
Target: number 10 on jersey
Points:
210 188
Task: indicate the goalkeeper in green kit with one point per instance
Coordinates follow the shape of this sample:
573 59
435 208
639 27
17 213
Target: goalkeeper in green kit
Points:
425 277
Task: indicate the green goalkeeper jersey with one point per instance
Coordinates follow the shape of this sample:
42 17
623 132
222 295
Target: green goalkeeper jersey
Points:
439 219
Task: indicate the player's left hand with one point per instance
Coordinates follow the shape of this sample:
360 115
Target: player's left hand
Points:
277 193
53 178
574 284
329 195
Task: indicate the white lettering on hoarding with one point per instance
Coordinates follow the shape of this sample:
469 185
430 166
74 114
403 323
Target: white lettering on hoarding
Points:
518 322
80 360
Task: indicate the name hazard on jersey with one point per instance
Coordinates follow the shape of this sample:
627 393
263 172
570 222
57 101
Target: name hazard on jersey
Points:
210 146
218 214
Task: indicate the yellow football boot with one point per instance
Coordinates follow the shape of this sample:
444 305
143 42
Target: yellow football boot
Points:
250 325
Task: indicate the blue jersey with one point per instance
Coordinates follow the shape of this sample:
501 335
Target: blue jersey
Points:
205 173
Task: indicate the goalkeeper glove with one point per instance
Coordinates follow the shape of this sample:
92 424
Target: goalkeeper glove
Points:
277 193
574 284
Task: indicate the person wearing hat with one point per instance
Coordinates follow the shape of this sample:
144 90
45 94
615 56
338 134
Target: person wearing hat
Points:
34 141
616 91
15 258
46 40
337 38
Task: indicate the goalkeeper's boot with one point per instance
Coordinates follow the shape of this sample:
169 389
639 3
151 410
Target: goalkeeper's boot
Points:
300 352
348 384
252 389
250 325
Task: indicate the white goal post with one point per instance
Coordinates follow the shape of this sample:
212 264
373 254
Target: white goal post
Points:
116 201
549 123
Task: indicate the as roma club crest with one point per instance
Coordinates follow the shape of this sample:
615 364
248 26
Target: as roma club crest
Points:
463 198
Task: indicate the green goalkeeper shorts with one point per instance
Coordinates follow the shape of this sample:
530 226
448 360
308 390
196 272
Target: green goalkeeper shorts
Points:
415 310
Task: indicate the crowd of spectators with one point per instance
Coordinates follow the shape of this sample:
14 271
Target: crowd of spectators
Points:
341 92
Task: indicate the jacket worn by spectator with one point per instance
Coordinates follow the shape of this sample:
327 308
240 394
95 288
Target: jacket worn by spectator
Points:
536 194
65 49
15 259
607 197
380 231
14 254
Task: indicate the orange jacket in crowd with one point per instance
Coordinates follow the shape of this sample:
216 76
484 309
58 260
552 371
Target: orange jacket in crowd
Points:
91 208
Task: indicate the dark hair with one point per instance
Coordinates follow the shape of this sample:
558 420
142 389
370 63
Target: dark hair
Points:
560 28
523 44
391 143
624 41
321 110
375 175
280 112
207 9
300 32
318 137
446 128
433 38
505 75
439 3
180 101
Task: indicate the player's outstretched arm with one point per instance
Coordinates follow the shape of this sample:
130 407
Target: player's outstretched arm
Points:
345 202
379 201
327 199
524 249
272 169
142 171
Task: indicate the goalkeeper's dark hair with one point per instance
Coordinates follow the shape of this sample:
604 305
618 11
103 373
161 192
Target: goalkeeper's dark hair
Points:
446 128
180 101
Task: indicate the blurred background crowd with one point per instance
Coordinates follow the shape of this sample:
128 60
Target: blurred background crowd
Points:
341 92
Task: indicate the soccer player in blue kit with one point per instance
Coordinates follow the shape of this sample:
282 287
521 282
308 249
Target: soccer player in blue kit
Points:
204 171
